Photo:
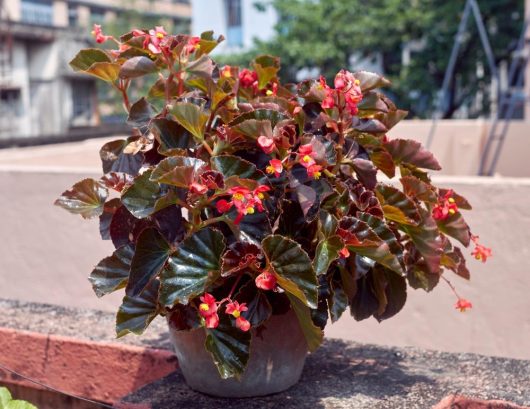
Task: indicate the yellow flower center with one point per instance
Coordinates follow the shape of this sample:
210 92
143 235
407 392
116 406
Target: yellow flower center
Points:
452 211
306 158
250 210
357 82
451 200
269 92
159 35
238 196
316 175
197 46
270 169
236 314
261 195
227 74
204 307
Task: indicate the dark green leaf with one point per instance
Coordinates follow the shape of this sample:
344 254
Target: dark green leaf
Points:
259 308
254 128
328 223
184 318
140 198
274 116
112 272
365 302
369 80
173 138
140 113
419 278
418 189
395 293
86 198
234 166
178 171
151 253
105 218
383 231
455 226
397 206
105 71
313 334
338 302
85 58
411 152
383 160
137 67
230 348
201 67
195 264
115 160
427 241
326 252
253 227
455 260
191 117
136 313
292 267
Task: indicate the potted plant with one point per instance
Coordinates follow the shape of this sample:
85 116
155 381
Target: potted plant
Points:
249 213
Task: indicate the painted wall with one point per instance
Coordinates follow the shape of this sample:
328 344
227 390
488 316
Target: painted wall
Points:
210 15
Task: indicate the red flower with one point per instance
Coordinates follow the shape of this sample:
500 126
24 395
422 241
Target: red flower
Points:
267 144
346 83
98 34
245 201
248 78
266 281
194 43
463 305
313 171
208 310
446 206
275 166
480 252
329 101
223 206
344 252
226 72
305 155
197 188
153 41
235 309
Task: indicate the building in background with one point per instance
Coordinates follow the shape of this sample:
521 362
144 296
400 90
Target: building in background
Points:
40 96
240 21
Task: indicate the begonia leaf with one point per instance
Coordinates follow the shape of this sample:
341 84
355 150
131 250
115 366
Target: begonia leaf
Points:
85 58
313 334
191 117
140 197
136 313
195 264
150 255
114 159
137 66
178 171
292 267
86 198
411 152
230 348
112 272
397 206
173 138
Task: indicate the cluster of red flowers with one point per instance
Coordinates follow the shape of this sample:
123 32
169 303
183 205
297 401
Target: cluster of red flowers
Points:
246 201
446 206
209 306
306 159
346 85
249 79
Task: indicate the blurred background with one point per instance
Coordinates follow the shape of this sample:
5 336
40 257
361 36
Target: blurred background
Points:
459 67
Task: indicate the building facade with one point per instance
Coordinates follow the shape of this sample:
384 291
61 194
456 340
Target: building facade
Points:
240 21
40 95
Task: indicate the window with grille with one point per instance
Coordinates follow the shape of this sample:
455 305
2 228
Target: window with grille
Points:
234 32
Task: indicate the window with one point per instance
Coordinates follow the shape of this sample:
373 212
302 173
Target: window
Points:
234 32
39 12
73 17
10 103
97 15
81 103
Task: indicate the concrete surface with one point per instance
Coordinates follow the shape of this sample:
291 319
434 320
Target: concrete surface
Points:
341 374
47 255
349 375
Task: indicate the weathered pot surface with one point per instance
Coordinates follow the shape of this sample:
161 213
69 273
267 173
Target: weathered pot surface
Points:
276 360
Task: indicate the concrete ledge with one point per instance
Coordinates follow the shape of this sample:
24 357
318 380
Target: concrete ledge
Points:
351 375
76 351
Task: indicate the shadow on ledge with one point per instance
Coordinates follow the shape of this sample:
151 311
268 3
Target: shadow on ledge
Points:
338 375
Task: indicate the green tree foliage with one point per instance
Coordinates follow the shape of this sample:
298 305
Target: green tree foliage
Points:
324 34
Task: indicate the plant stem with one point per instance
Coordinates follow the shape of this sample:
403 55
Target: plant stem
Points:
451 286
208 148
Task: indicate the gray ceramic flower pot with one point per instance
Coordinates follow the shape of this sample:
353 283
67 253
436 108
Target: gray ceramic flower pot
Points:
276 360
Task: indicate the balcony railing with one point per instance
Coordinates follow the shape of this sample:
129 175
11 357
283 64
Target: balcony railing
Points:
37 13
